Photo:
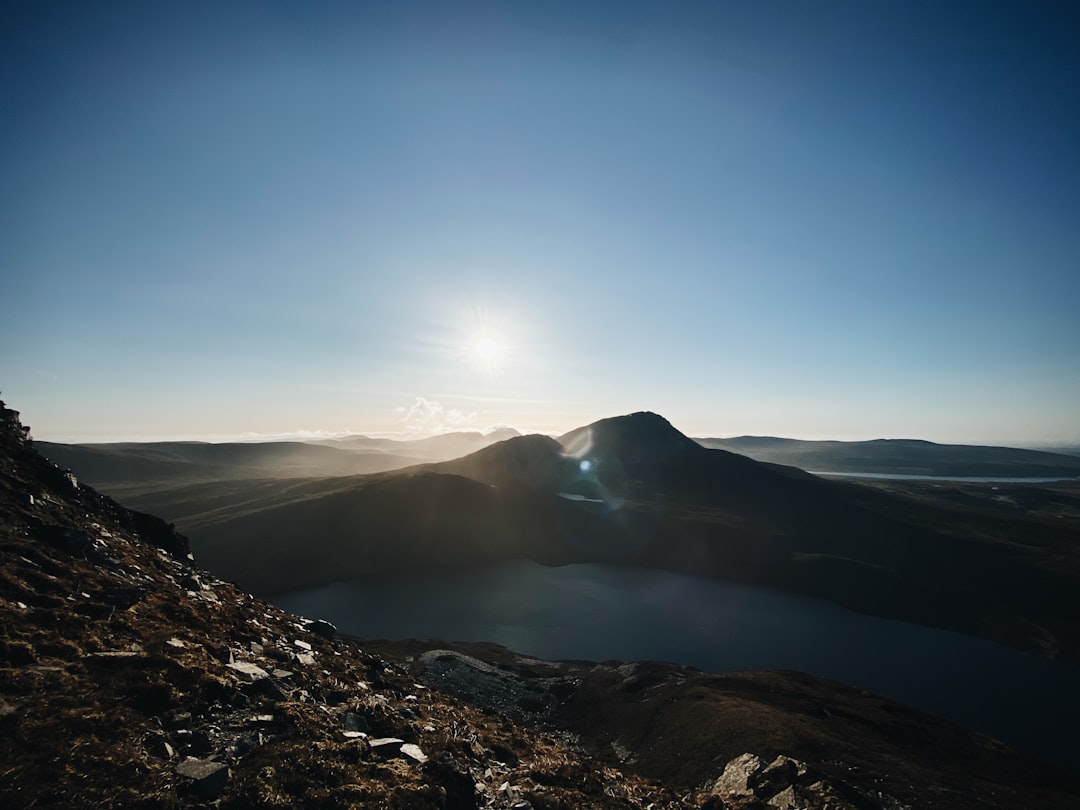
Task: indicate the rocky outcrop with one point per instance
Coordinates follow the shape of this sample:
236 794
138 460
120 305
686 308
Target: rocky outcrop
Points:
788 784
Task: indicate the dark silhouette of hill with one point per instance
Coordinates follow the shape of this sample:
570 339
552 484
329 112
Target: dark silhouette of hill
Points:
901 456
634 490
131 678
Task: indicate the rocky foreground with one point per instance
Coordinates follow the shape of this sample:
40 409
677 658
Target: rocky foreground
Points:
129 678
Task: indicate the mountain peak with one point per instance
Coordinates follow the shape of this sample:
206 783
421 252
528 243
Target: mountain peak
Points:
635 436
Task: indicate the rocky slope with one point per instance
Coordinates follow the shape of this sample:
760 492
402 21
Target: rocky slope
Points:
129 678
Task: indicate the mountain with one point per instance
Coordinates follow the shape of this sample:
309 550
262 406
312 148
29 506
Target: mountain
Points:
439 447
131 678
901 456
635 490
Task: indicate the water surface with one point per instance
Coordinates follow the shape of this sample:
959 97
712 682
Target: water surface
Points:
598 612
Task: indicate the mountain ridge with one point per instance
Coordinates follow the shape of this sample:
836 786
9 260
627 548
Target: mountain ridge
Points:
901 457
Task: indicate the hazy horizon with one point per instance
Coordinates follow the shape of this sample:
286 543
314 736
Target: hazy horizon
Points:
309 435
838 220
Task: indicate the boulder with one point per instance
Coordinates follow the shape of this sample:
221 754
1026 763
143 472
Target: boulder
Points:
209 777
777 775
735 780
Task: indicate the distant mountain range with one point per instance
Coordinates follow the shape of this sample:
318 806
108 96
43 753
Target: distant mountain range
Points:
171 462
901 456
635 490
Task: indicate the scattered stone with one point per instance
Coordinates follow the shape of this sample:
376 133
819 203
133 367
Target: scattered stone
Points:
413 752
175 642
386 746
307 659
280 673
253 671
209 777
303 645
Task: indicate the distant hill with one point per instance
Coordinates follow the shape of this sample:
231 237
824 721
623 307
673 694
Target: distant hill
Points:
439 447
901 456
141 463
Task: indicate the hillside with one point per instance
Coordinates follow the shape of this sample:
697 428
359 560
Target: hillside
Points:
130 678
902 457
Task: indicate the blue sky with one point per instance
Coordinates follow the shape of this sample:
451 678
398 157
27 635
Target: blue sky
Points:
822 220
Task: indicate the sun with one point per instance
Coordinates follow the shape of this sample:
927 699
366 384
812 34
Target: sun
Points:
486 349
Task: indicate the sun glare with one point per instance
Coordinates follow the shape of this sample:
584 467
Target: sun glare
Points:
486 349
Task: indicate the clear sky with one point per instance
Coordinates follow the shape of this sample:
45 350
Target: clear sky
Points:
822 220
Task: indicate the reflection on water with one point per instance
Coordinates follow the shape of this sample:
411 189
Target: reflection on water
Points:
599 612
969 479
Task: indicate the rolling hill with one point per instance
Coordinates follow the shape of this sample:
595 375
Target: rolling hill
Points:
902 457
139 466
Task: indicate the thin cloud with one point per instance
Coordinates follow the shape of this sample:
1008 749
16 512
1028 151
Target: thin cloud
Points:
429 416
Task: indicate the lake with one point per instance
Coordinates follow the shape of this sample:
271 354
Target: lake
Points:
601 611
969 479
